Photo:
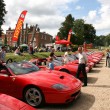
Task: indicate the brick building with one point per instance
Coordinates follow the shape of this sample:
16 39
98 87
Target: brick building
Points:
40 39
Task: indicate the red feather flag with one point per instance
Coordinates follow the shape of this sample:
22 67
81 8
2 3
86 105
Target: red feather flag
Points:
19 25
69 35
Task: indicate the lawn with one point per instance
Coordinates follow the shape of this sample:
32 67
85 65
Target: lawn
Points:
27 56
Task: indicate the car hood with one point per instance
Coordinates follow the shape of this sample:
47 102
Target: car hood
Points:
11 103
50 77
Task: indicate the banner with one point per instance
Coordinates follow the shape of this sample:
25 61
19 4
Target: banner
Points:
19 25
69 35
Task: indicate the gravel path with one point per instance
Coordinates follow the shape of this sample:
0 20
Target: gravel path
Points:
96 96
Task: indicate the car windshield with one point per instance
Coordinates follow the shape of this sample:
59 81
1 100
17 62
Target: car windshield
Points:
77 56
57 63
23 67
73 57
59 58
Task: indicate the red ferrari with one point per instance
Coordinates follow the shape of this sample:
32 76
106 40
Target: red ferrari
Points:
25 80
69 68
10 103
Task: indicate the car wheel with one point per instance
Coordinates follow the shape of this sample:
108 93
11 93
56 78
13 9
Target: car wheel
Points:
34 97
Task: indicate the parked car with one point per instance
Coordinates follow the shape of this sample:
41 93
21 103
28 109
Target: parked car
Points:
28 82
10 103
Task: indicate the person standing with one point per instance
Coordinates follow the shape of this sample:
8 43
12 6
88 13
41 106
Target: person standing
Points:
51 65
31 51
2 54
2 57
82 65
66 60
107 56
52 54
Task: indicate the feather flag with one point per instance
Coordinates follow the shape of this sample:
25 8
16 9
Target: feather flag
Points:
69 35
19 25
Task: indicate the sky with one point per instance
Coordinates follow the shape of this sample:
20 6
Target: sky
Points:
49 14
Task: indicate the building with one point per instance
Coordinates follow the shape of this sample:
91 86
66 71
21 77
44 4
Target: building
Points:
40 38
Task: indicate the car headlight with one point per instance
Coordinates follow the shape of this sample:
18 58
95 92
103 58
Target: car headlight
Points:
59 87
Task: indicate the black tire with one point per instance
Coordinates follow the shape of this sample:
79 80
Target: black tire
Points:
34 97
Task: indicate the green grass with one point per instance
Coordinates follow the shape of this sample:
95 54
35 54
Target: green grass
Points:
27 56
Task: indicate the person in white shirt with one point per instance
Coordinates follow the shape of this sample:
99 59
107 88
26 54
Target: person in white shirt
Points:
82 64
66 60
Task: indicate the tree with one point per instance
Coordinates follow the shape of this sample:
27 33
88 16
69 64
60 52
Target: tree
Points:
2 14
65 27
78 27
89 33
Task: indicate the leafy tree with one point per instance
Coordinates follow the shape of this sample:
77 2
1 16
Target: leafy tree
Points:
100 41
82 32
89 33
107 40
65 27
53 40
2 14
78 27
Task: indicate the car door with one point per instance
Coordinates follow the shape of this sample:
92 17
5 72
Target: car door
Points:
6 83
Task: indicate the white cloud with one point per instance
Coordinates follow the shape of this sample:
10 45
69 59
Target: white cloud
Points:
78 7
100 18
91 16
46 13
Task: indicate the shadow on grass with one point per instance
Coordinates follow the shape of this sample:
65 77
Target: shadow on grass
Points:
85 101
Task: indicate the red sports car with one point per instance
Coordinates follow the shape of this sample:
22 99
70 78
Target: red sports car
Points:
73 60
69 68
10 103
25 80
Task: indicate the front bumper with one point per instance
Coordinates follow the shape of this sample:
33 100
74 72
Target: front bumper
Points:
61 97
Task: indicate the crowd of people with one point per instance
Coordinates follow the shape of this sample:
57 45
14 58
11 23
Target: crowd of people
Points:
82 59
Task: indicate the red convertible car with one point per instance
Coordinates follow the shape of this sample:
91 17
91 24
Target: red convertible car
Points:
59 66
25 80
69 68
10 103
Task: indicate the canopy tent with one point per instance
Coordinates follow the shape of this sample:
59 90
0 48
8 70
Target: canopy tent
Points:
24 45
62 42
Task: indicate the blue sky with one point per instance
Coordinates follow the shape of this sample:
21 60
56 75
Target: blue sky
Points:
49 14
82 7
